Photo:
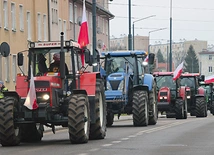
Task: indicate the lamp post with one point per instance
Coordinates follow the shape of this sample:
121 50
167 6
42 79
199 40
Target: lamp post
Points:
170 47
149 41
133 28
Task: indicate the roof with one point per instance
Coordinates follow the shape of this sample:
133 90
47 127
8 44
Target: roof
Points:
123 53
162 73
190 74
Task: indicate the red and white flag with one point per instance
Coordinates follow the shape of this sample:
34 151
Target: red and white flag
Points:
83 38
209 79
30 101
177 73
146 59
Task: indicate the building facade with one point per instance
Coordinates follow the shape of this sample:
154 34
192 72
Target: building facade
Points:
206 62
23 21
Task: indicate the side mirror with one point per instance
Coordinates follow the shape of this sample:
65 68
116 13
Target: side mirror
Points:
5 49
87 56
151 58
20 59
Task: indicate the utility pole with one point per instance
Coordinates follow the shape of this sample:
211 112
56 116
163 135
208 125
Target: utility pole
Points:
130 35
170 46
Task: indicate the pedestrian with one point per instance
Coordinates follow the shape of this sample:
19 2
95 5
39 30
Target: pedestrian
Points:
2 89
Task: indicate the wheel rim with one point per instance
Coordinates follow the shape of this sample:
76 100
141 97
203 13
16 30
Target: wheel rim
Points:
16 131
101 109
86 119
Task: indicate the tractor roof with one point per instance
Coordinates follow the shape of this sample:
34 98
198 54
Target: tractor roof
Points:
162 73
190 74
123 53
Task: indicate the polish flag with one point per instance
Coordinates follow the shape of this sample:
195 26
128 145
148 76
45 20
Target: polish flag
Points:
30 101
177 73
209 79
146 59
83 38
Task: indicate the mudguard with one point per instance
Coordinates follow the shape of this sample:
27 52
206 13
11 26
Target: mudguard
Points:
148 80
182 92
201 91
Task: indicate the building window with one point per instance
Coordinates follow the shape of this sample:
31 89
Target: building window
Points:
14 69
106 27
71 13
65 29
5 10
210 69
75 10
90 20
45 27
13 16
21 18
210 57
39 26
28 26
7 69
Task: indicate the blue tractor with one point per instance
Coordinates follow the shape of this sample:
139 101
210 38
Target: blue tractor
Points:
129 90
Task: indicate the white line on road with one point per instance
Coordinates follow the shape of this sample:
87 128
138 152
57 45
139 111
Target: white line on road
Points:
124 138
116 142
95 149
105 145
131 136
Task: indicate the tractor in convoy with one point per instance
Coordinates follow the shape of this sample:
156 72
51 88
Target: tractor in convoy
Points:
196 102
172 97
73 99
128 89
208 87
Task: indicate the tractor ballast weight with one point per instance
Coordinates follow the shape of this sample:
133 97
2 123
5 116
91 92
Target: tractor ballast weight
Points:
129 90
75 100
196 101
171 96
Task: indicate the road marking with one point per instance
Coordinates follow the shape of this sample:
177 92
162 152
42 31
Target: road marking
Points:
95 149
116 142
131 136
83 154
124 138
105 145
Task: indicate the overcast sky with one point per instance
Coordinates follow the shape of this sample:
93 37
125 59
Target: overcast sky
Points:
191 19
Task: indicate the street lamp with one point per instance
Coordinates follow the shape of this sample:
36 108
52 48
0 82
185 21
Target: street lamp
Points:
130 35
133 27
149 40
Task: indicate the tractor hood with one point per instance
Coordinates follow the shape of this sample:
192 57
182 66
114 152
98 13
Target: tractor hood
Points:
116 77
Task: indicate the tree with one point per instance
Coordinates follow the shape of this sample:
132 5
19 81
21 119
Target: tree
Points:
191 61
160 57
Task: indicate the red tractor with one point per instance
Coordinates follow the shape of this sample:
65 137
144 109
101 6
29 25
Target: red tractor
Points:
196 99
75 99
172 97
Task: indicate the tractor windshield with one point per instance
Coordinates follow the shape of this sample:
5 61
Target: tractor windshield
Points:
165 81
118 64
43 60
188 81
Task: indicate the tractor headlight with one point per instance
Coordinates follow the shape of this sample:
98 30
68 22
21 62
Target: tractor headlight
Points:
165 97
121 85
161 97
46 97
108 86
188 97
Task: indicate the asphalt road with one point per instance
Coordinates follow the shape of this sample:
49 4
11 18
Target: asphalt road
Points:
167 137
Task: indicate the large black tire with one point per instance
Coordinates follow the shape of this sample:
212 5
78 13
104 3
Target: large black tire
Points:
78 119
98 129
201 107
153 116
31 132
9 132
140 108
180 112
212 108
110 119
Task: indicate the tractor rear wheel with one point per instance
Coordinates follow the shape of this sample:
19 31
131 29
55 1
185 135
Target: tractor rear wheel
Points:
153 106
110 119
140 108
31 132
98 129
201 107
78 119
10 133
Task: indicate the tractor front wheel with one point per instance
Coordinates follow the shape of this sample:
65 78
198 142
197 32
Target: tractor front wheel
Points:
78 119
